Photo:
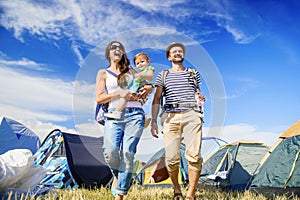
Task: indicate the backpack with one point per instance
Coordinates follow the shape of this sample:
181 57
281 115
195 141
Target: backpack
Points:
102 108
100 111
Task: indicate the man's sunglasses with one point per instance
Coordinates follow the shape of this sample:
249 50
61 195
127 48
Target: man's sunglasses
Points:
113 47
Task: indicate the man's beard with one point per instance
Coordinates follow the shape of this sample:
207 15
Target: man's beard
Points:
178 61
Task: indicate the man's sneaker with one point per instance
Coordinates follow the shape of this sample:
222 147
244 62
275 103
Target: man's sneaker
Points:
113 115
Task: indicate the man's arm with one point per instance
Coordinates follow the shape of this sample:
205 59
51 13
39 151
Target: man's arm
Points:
155 110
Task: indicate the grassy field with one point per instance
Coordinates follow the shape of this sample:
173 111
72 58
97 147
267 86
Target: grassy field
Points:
140 193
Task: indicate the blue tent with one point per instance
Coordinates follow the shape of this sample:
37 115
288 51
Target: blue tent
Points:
73 161
15 135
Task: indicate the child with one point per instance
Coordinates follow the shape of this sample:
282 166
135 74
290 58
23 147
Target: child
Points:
145 76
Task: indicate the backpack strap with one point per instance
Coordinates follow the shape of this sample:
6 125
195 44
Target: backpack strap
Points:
163 80
111 72
193 75
102 107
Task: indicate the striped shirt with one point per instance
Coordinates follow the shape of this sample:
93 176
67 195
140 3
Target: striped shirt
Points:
179 88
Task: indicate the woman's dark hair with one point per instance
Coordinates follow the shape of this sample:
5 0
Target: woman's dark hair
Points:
124 63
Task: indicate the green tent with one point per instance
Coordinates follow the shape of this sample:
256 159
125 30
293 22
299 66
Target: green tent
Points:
280 168
232 165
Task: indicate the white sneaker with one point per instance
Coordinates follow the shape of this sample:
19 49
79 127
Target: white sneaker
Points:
113 115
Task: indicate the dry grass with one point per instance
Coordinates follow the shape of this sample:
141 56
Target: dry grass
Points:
140 193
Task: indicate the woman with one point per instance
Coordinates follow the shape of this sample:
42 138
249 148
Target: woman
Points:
120 136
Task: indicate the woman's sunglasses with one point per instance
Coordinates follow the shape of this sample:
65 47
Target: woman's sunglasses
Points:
113 47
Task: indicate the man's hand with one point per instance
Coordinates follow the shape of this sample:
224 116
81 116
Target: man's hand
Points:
154 129
202 97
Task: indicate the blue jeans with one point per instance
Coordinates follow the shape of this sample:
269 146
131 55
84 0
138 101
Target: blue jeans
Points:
121 138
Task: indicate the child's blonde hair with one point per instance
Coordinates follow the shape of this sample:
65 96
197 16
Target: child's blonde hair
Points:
142 54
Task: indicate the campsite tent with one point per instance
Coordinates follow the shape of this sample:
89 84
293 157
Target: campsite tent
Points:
15 135
232 165
154 172
280 168
73 161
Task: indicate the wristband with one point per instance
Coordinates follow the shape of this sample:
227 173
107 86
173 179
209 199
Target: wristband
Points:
153 120
152 85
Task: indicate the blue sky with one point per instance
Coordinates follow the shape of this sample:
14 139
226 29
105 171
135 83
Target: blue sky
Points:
48 59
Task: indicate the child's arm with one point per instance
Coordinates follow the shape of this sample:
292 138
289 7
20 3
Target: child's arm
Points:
148 76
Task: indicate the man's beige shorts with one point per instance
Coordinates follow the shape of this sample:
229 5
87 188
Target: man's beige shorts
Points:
183 127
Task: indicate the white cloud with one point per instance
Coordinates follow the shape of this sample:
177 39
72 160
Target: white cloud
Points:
90 22
100 21
236 132
36 18
84 98
90 129
238 34
44 103
239 86
155 5
24 112
235 18
97 21
42 129
24 63
77 53
39 103
26 97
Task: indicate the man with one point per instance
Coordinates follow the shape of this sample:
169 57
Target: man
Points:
181 118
